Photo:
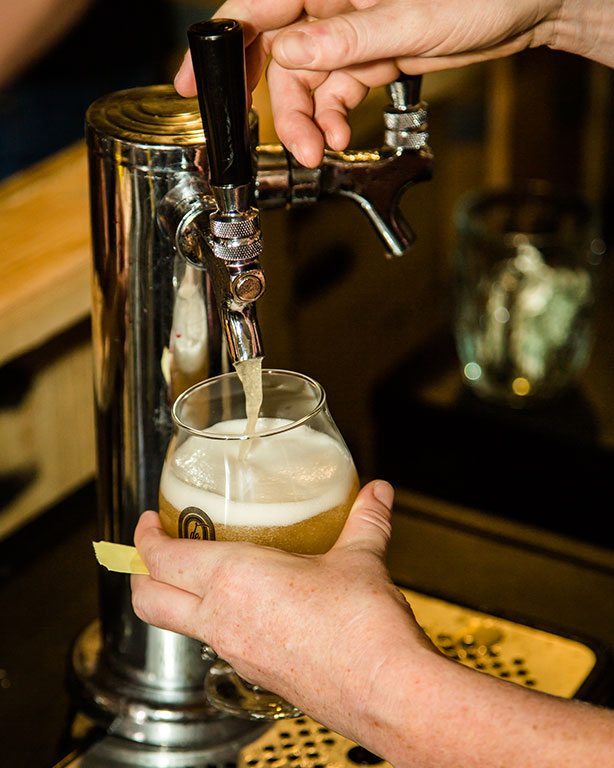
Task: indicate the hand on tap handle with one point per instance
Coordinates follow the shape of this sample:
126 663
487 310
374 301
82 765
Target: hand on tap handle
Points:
327 54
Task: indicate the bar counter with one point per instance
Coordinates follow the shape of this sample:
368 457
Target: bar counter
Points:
48 594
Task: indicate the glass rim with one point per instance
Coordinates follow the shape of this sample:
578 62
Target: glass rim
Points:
319 389
468 224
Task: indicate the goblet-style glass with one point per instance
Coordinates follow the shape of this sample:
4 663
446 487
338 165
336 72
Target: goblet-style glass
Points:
286 482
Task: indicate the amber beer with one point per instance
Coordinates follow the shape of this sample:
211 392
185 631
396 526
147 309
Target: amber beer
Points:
292 491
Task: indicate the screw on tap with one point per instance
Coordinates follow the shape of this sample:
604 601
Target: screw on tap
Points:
248 286
235 237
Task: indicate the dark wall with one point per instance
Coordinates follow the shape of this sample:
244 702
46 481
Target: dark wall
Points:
116 44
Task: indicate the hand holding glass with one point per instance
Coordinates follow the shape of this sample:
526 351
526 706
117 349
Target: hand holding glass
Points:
289 485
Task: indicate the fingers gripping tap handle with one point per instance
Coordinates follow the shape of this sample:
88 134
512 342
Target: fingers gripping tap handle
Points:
218 57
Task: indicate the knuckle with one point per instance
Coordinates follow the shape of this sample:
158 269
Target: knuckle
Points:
139 605
227 598
155 561
378 517
231 577
346 39
381 518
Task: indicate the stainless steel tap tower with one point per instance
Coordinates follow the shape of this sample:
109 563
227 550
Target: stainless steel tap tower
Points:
176 245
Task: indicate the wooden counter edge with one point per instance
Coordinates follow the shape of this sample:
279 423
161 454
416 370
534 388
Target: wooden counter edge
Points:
45 251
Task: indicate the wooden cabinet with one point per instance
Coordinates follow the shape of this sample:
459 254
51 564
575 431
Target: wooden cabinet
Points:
46 406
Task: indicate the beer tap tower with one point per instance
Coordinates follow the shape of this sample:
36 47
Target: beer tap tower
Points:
176 246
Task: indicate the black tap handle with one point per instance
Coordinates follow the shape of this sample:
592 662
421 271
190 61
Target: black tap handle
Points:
413 85
405 91
218 57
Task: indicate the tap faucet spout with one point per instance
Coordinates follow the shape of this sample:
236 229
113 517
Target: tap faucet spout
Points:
376 180
228 246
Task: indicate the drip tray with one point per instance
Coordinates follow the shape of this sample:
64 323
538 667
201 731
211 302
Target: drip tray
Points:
530 657
304 743
524 655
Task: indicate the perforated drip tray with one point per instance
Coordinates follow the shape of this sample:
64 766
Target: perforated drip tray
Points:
303 743
524 655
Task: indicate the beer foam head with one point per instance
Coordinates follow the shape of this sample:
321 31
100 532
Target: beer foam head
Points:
283 479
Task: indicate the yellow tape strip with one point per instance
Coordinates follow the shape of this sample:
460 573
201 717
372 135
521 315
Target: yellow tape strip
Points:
119 557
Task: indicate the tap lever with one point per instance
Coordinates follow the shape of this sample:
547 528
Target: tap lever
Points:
404 92
218 58
231 241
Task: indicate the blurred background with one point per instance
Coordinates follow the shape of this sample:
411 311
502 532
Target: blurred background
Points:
378 333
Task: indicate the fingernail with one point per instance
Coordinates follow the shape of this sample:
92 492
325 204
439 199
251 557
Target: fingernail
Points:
297 48
384 492
182 65
182 75
179 82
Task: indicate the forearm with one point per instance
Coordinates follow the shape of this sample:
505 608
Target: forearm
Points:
31 27
433 713
586 27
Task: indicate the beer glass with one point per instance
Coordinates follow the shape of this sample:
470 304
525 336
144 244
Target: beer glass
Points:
288 482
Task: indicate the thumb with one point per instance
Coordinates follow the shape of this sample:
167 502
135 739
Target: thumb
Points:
369 523
350 38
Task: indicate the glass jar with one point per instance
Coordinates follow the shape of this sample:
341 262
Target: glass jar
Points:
524 291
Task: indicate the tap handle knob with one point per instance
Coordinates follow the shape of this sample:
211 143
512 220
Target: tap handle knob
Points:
404 92
218 57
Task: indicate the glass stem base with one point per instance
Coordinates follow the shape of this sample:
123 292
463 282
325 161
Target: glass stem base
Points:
230 693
